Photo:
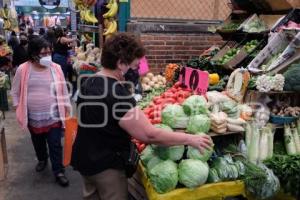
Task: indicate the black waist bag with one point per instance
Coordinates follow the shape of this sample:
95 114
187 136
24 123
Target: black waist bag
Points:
131 160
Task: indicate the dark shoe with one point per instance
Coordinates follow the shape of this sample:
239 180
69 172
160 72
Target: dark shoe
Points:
41 166
62 180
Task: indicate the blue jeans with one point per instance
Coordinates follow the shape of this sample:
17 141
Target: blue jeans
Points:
62 60
53 138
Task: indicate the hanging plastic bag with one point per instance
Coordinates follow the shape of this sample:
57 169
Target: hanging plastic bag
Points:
70 135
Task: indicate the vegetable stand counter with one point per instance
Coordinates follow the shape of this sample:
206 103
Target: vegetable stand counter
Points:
215 191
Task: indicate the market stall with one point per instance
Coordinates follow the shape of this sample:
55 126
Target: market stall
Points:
245 95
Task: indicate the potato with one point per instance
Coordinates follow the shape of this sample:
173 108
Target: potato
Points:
160 83
145 80
156 86
164 80
155 79
150 75
151 83
147 87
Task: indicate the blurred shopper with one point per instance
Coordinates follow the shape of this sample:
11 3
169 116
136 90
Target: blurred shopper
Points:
42 32
50 37
103 152
41 100
61 47
20 52
13 41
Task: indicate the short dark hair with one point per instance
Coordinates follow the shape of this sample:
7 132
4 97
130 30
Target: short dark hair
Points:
35 46
42 31
59 32
30 31
23 34
122 46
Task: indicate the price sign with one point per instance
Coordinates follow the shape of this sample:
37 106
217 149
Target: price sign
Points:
49 4
194 79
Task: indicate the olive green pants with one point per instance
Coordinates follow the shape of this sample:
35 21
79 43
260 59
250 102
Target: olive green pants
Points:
110 184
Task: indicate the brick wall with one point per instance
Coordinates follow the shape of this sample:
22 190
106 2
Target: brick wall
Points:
175 48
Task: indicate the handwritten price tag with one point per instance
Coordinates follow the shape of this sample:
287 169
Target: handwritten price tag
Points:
194 79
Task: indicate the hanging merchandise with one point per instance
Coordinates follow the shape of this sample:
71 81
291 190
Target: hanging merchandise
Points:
84 7
110 22
10 18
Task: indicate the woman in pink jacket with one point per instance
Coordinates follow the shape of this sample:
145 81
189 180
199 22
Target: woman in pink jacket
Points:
41 100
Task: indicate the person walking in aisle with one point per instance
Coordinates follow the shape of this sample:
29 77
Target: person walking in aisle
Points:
13 41
20 53
61 47
41 100
108 118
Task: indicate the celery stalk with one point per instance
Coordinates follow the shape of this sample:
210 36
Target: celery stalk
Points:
296 139
289 141
253 150
270 142
263 144
248 134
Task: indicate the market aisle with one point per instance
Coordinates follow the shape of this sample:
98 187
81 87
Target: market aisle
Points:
23 183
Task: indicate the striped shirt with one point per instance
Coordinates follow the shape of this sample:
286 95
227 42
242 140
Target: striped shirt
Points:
42 103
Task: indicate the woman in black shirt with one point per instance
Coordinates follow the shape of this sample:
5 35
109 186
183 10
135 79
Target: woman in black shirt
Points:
61 48
108 117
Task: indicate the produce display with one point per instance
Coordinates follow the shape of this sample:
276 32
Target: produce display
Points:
287 169
82 60
231 26
10 18
254 25
292 79
173 95
259 143
286 111
144 102
228 56
84 7
292 139
172 72
266 83
110 23
250 46
261 153
151 81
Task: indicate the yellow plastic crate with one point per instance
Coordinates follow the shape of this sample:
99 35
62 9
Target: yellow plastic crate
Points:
216 191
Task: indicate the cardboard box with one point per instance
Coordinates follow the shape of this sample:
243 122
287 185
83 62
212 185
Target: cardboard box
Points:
288 56
277 42
236 60
293 15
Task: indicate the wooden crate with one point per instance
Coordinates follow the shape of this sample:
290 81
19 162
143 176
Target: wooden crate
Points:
3 155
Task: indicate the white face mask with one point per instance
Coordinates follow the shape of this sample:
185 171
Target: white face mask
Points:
46 61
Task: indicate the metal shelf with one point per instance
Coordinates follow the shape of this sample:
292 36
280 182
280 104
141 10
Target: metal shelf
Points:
88 28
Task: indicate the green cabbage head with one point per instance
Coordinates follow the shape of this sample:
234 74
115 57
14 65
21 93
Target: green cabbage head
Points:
168 153
164 176
147 154
174 116
195 105
194 153
198 124
193 173
155 160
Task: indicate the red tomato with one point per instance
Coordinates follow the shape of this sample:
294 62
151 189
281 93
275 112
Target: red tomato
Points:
169 95
180 100
141 147
169 100
177 84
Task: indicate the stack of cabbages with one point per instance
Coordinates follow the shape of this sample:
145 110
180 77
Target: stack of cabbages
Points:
168 166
